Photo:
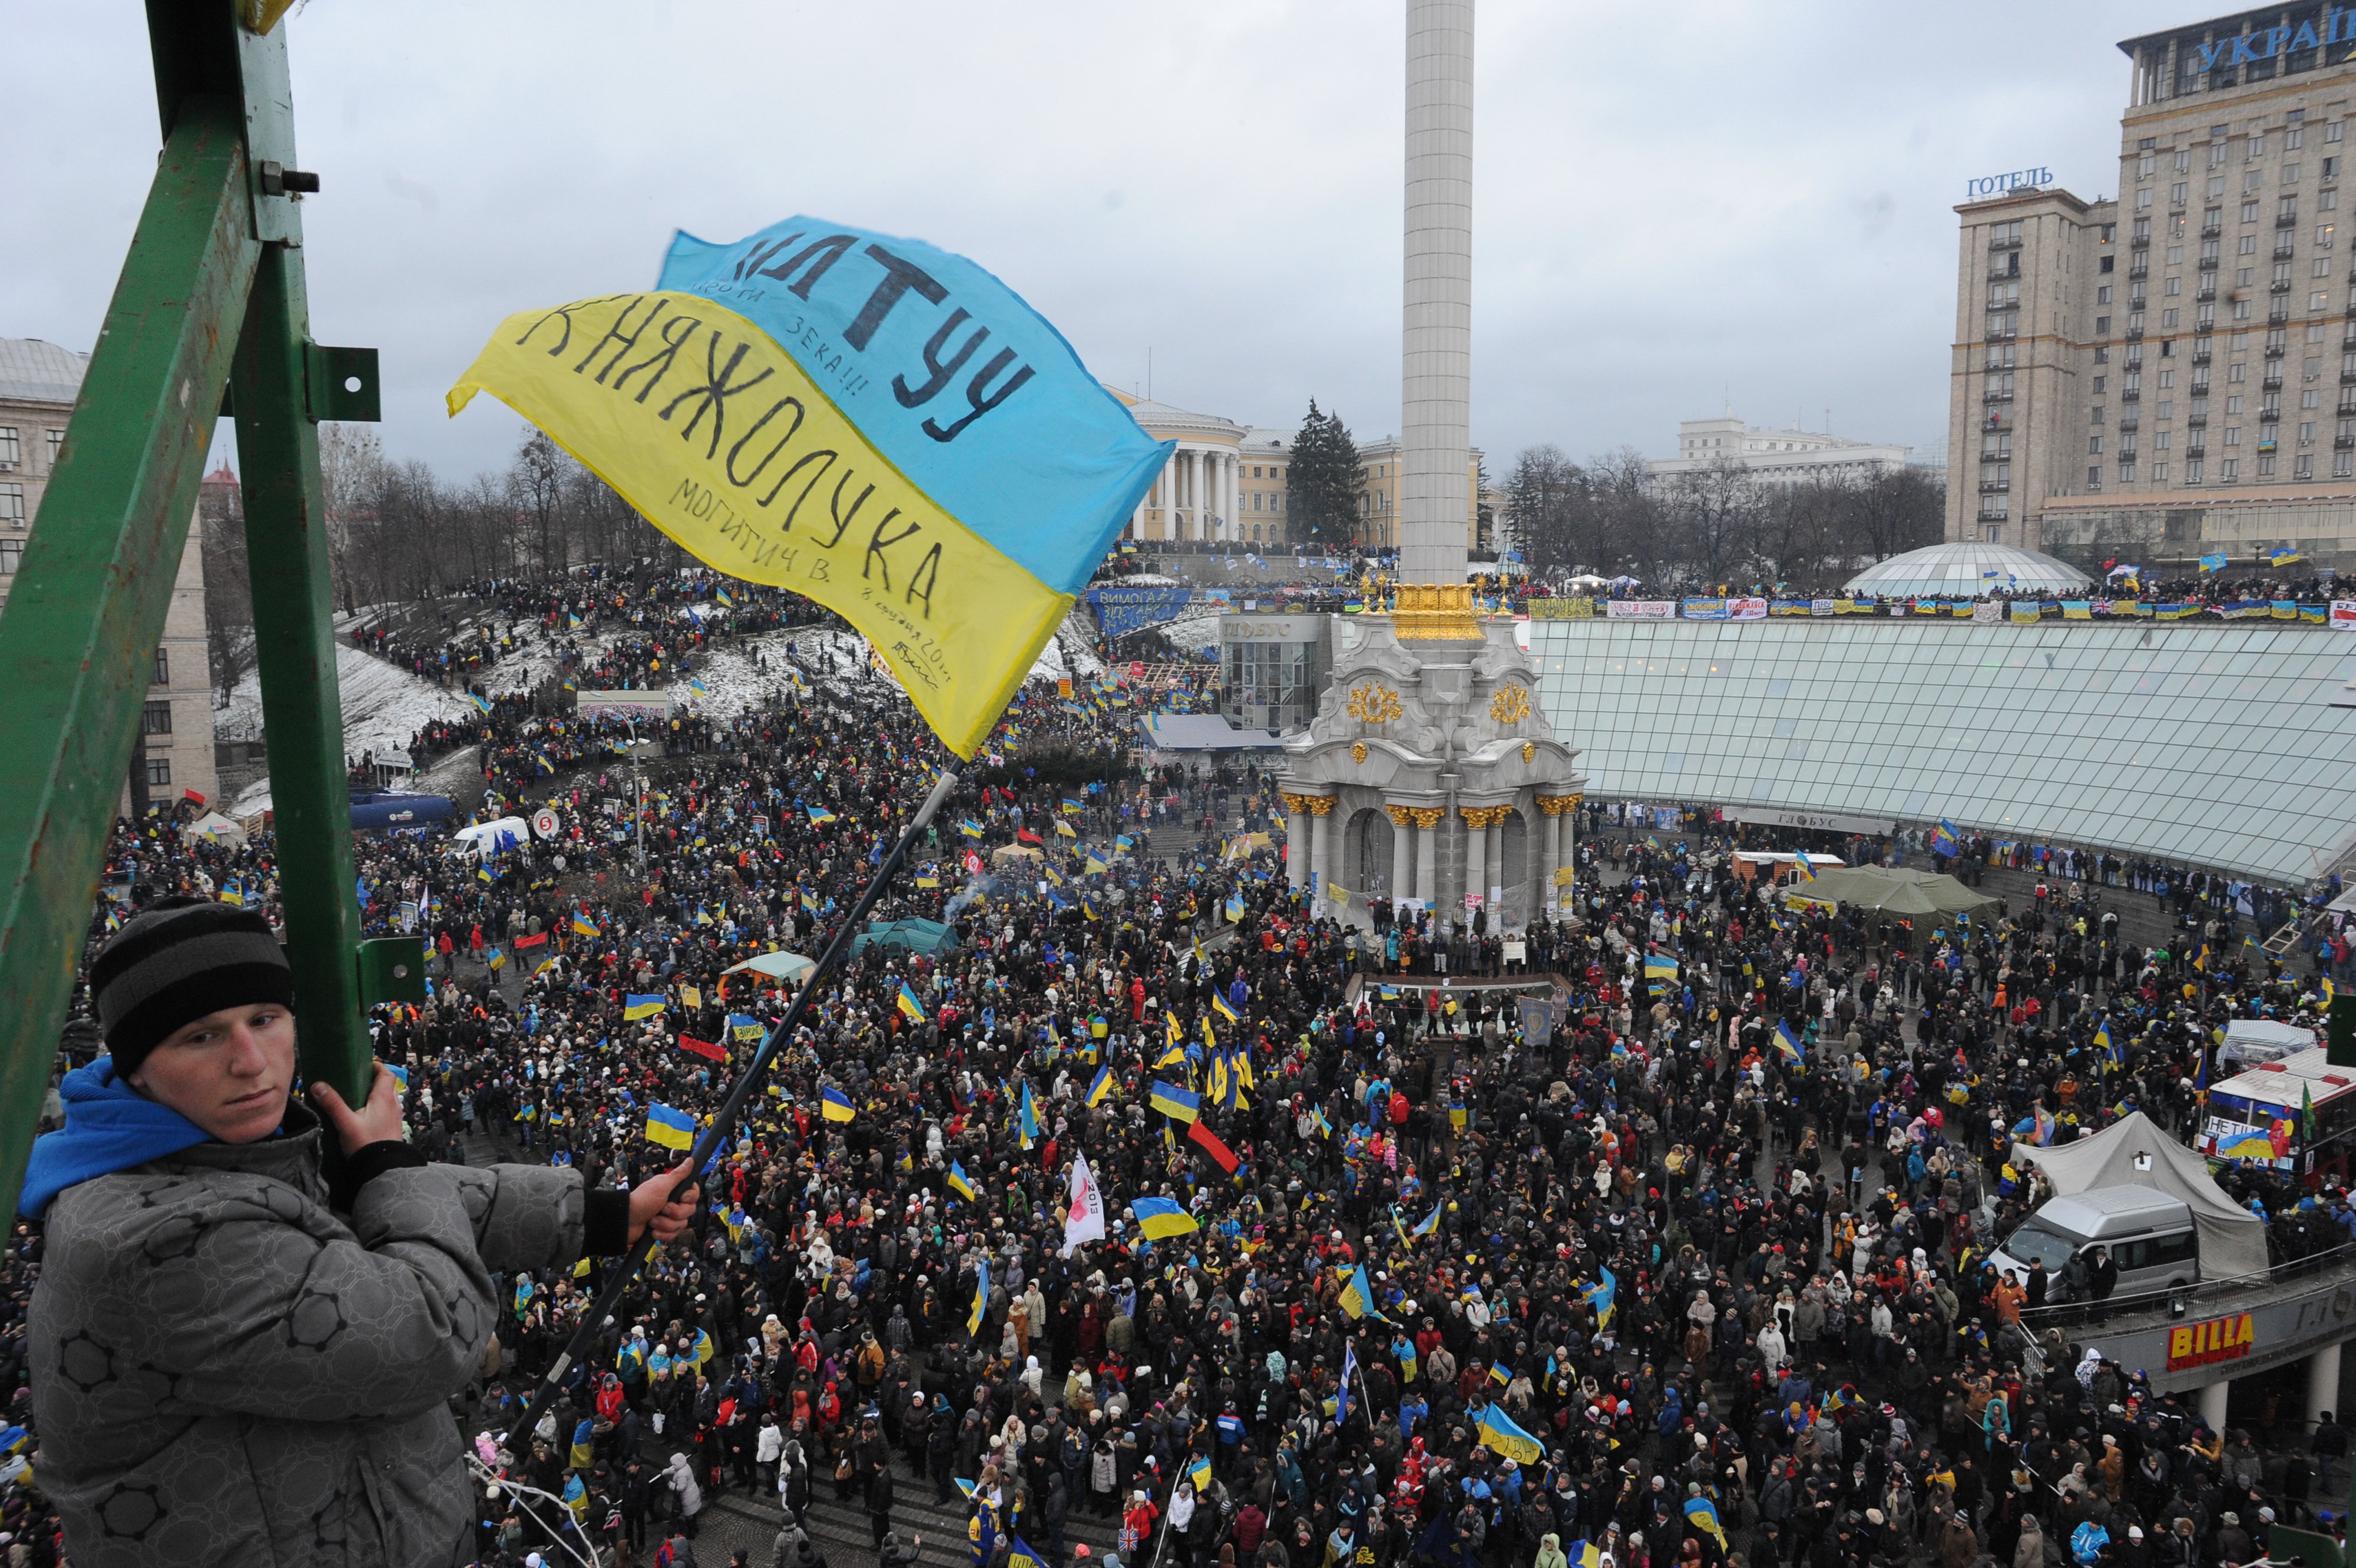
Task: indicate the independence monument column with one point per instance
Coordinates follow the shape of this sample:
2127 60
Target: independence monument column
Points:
1435 416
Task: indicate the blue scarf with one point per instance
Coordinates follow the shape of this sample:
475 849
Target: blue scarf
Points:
110 1127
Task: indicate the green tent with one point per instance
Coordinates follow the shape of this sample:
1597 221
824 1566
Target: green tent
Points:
1894 890
923 937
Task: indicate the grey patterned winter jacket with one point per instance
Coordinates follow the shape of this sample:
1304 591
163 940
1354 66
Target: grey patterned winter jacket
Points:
224 1371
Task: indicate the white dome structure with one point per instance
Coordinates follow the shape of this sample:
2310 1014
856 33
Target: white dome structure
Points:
1963 570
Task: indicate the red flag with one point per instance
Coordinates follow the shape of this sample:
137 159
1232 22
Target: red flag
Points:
531 941
1201 1134
1027 836
703 1048
198 796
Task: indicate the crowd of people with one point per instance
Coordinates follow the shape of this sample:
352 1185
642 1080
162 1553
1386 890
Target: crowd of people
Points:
1391 1272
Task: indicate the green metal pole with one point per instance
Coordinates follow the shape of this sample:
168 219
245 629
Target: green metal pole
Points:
295 648
78 637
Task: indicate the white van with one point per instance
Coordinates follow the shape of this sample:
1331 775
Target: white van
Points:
491 841
2149 1234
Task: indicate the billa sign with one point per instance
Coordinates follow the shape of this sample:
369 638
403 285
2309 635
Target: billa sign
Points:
2201 1344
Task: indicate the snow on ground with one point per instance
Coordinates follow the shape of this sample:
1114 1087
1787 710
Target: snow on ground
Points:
1196 630
1077 638
383 706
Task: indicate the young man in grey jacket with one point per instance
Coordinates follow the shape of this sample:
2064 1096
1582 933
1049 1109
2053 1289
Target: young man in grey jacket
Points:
230 1363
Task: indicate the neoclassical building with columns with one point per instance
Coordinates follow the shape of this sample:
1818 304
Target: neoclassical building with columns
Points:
1199 494
1429 772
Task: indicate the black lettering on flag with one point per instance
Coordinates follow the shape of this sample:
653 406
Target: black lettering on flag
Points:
562 313
715 390
674 335
784 403
941 371
819 254
824 458
877 544
920 581
624 341
753 259
899 277
842 520
974 395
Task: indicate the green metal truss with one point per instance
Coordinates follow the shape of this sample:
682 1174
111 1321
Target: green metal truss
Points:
209 310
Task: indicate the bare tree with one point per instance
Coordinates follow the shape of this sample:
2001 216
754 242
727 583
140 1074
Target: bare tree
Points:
1714 511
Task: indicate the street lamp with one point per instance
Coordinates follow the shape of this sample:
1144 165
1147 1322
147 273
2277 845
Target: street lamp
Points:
638 776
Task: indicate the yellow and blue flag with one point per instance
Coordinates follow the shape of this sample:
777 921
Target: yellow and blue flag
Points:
964 511
1358 1297
582 928
908 1004
1159 1219
1171 1100
1499 1433
745 1026
1602 1295
1806 867
1702 1513
819 814
671 1129
1220 1005
1788 1044
959 1183
636 1006
1020 1555
1026 1116
835 1105
1659 967
981 1294
1431 1222
1101 1087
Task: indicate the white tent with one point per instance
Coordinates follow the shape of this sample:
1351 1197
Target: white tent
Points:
215 826
2135 1152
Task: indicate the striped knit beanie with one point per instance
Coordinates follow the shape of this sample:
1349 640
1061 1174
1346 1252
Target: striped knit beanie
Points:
176 963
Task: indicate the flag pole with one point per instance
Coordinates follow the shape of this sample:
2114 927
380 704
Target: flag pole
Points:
714 1138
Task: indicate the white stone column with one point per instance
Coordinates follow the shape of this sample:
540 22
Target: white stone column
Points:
1548 861
1296 846
1426 859
1476 874
1235 501
1402 853
2322 1384
1337 849
1435 435
1496 865
2212 1404
1318 845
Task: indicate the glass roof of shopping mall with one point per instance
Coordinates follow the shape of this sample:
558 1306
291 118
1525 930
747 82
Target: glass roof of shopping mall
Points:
2214 746
1966 570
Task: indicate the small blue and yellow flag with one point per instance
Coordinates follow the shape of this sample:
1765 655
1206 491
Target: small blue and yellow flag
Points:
981 1294
671 1129
819 814
1182 1104
908 1005
1659 966
636 1006
1787 1044
1358 1297
1701 1513
835 1105
582 928
745 1026
1499 1433
1160 1218
958 1182
1101 1087
1220 1005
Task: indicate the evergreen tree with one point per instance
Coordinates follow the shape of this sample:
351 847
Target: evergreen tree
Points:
1321 483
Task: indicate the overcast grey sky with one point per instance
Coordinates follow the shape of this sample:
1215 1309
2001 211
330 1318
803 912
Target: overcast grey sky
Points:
1675 206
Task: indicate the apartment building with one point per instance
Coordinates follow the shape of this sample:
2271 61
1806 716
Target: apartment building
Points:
39 383
2171 373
